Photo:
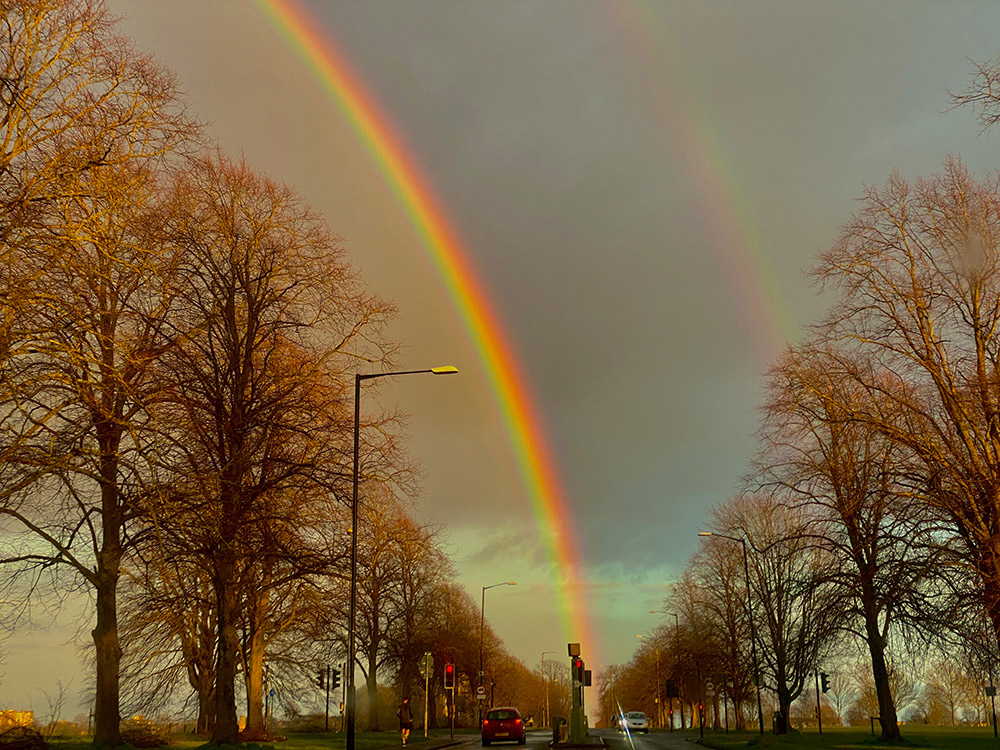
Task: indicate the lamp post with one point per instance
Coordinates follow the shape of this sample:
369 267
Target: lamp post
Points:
358 377
753 628
677 671
545 676
482 623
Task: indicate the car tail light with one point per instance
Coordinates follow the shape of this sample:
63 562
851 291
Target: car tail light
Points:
517 722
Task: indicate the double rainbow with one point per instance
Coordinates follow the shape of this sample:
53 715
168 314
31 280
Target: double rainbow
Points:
499 363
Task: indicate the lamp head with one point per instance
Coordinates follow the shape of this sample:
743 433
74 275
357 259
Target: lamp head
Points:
446 370
704 533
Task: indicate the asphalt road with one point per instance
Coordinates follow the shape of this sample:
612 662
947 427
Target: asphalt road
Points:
658 740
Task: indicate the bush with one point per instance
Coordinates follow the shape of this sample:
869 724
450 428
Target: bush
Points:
142 732
22 738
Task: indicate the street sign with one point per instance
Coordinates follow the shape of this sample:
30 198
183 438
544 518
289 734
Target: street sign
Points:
481 690
709 689
991 690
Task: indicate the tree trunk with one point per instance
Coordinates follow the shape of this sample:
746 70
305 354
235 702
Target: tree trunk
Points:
256 728
432 707
108 651
784 695
738 715
371 682
227 728
108 660
880 673
201 677
206 708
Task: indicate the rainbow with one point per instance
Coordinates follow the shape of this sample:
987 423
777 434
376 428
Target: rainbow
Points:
496 356
678 107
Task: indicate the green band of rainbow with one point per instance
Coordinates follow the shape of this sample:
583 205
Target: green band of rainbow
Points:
496 356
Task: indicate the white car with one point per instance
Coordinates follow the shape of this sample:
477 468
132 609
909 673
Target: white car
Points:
635 721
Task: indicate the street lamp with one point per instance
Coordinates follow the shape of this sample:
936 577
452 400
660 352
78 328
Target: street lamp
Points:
482 622
545 676
753 628
677 672
358 377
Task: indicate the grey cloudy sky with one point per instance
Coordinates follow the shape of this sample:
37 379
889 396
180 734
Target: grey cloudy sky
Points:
641 186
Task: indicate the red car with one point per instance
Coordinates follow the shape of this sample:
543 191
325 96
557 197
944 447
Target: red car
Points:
503 724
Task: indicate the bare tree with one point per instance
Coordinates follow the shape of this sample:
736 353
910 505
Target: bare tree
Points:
83 124
797 613
168 634
951 686
917 271
853 484
842 693
271 316
717 579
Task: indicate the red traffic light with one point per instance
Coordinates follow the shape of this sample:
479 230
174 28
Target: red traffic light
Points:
449 676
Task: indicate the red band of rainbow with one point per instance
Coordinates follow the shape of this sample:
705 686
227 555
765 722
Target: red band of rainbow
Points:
498 361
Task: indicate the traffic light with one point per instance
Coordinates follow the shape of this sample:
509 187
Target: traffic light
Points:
320 681
578 670
335 679
824 681
449 676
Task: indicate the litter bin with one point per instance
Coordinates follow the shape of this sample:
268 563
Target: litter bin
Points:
780 723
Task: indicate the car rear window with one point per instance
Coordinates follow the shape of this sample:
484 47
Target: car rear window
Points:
637 715
501 715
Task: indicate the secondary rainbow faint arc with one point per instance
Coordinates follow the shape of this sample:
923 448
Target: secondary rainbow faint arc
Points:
430 221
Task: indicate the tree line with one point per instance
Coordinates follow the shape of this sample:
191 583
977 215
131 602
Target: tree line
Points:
871 516
177 343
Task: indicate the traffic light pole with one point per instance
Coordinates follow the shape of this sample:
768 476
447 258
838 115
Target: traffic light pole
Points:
576 711
326 719
819 711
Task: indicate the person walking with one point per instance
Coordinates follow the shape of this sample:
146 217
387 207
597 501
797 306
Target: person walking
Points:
405 718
